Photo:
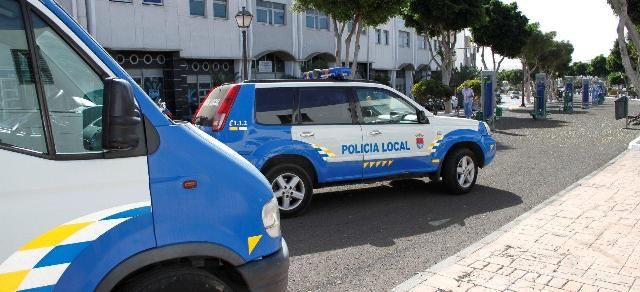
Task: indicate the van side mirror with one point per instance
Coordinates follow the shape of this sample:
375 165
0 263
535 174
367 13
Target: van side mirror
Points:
422 117
120 116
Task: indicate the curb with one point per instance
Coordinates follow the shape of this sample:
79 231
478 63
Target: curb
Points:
635 144
423 276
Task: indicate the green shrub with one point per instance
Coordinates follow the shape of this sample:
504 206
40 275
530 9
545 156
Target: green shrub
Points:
474 84
425 89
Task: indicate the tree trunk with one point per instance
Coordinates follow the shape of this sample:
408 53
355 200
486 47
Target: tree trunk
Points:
626 60
356 50
347 49
493 57
499 64
338 33
447 55
433 56
621 9
484 63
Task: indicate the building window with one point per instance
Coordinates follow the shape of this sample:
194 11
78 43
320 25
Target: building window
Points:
124 1
270 12
422 42
317 20
220 8
405 39
152 2
378 36
196 7
386 37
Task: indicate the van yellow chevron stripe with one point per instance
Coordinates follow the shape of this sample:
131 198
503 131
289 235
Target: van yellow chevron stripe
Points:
40 263
377 163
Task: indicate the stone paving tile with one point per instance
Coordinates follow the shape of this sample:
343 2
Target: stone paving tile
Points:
584 239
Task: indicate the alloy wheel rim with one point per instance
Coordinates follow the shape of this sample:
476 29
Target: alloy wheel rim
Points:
289 190
465 172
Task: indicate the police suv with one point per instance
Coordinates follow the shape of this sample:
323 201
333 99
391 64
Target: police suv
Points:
305 134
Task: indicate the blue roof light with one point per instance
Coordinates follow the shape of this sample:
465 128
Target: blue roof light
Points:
331 73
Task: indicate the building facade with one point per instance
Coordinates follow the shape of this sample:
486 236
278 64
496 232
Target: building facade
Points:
177 50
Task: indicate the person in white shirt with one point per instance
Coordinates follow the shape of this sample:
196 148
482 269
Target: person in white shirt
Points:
468 95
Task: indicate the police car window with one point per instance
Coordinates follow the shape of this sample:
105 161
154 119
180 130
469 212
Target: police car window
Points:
20 119
326 105
73 92
274 106
379 106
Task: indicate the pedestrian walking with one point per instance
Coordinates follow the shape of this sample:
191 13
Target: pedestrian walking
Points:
459 102
468 95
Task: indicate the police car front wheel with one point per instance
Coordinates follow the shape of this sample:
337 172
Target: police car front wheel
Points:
460 171
292 188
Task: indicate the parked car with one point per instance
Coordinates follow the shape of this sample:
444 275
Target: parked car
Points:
304 135
516 95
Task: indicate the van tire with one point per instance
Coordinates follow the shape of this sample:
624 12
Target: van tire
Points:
175 279
303 186
450 175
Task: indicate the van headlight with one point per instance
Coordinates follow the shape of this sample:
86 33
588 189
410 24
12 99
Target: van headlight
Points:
271 218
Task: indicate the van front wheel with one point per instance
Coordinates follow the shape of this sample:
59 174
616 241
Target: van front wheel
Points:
292 188
175 279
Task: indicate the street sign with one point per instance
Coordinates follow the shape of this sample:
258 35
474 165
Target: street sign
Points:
265 66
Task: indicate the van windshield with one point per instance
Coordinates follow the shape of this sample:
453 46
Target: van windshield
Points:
204 117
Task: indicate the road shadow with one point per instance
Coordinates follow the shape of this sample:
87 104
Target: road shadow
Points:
513 123
501 132
380 214
503 147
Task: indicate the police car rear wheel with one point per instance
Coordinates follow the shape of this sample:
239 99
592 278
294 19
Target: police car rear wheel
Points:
176 279
292 188
460 171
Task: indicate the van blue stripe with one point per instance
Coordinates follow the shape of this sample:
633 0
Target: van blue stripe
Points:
40 289
130 213
62 254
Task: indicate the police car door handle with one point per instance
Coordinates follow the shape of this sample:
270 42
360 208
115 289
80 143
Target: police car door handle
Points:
307 134
375 133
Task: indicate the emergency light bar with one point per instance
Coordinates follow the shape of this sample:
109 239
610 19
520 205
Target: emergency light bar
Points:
331 73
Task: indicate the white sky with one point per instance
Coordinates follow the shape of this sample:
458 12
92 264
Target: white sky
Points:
588 24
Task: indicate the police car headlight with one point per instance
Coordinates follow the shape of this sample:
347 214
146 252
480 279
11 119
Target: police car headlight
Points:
271 218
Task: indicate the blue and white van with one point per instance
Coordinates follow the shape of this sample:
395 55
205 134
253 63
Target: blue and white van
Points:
304 134
100 191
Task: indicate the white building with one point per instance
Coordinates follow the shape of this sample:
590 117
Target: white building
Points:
179 49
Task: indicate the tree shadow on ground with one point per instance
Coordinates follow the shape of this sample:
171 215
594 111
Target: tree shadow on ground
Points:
513 123
380 214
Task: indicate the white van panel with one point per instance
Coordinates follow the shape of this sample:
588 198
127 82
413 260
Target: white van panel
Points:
38 194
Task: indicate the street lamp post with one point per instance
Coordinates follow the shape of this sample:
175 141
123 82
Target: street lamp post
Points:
243 20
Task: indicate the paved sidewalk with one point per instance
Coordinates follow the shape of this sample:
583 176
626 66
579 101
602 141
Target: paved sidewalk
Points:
586 238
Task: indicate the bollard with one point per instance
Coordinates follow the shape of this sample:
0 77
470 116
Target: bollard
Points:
540 105
585 93
567 107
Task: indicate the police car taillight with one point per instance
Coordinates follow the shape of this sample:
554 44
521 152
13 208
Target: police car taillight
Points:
222 113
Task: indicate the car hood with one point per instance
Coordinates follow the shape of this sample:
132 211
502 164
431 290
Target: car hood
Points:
439 121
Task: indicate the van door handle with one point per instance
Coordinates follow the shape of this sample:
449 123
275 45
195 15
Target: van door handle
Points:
375 133
307 134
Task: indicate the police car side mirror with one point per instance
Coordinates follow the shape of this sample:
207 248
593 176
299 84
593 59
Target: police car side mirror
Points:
422 117
120 116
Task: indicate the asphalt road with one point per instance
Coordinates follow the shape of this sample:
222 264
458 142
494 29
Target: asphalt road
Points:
374 237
